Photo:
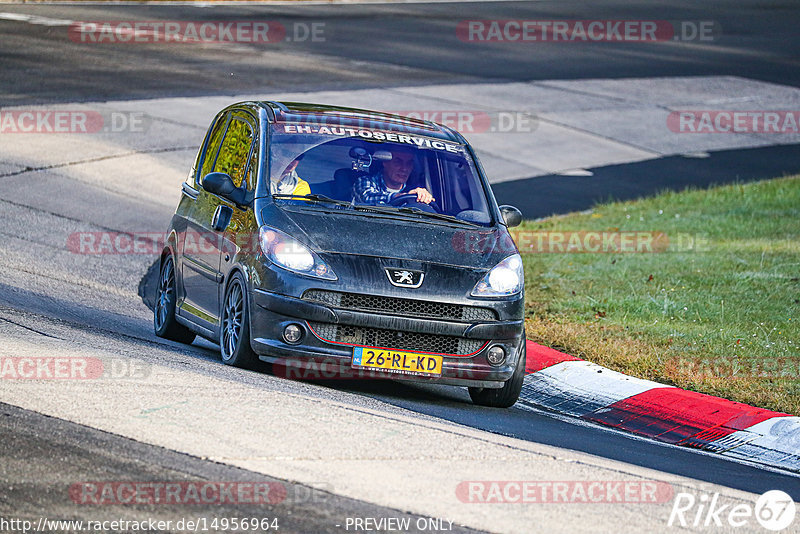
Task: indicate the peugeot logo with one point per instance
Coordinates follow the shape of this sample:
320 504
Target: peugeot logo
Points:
405 277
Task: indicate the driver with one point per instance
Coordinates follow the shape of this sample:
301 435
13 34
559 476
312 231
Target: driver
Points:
380 187
289 182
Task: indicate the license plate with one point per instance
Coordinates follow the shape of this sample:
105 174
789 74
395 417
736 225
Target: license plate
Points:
405 363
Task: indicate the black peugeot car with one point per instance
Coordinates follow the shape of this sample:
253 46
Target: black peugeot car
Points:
368 243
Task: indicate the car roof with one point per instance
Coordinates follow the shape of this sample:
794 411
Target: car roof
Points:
299 112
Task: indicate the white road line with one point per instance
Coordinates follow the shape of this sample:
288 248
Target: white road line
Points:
35 19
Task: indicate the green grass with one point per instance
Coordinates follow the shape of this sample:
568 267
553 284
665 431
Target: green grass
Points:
721 318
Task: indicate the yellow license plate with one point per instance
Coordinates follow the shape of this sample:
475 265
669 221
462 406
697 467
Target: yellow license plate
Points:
406 363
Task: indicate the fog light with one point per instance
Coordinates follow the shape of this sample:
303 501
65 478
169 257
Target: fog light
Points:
292 333
496 355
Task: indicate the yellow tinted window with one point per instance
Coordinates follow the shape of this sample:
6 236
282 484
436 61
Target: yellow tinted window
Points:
232 157
213 145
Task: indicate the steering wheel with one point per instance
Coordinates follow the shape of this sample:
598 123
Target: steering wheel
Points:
407 198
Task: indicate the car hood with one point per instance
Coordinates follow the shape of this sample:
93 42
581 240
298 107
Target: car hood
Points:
412 238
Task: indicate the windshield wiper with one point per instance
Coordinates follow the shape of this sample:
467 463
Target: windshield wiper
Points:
435 215
415 211
313 198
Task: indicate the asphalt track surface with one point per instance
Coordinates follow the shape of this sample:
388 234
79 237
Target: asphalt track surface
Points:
57 453
366 46
379 45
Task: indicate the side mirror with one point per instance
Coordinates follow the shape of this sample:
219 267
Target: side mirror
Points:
220 183
511 215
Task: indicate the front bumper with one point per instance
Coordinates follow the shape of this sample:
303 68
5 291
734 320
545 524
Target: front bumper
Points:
316 357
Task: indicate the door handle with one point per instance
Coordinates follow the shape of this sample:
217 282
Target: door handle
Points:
222 218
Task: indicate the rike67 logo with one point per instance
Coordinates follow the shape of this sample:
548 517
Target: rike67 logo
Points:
774 510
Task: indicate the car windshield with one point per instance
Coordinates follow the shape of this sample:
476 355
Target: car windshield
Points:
409 175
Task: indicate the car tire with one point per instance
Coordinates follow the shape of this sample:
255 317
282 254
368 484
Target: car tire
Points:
164 323
506 396
234 328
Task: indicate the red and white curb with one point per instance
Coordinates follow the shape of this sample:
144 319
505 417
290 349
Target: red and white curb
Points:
568 385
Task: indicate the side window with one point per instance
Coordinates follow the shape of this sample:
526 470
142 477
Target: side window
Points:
235 149
213 147
462 188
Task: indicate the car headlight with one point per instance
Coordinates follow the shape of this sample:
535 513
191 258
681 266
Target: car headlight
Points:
505 278
290 254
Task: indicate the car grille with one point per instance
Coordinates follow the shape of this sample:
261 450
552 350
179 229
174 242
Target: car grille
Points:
378 337
400 306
